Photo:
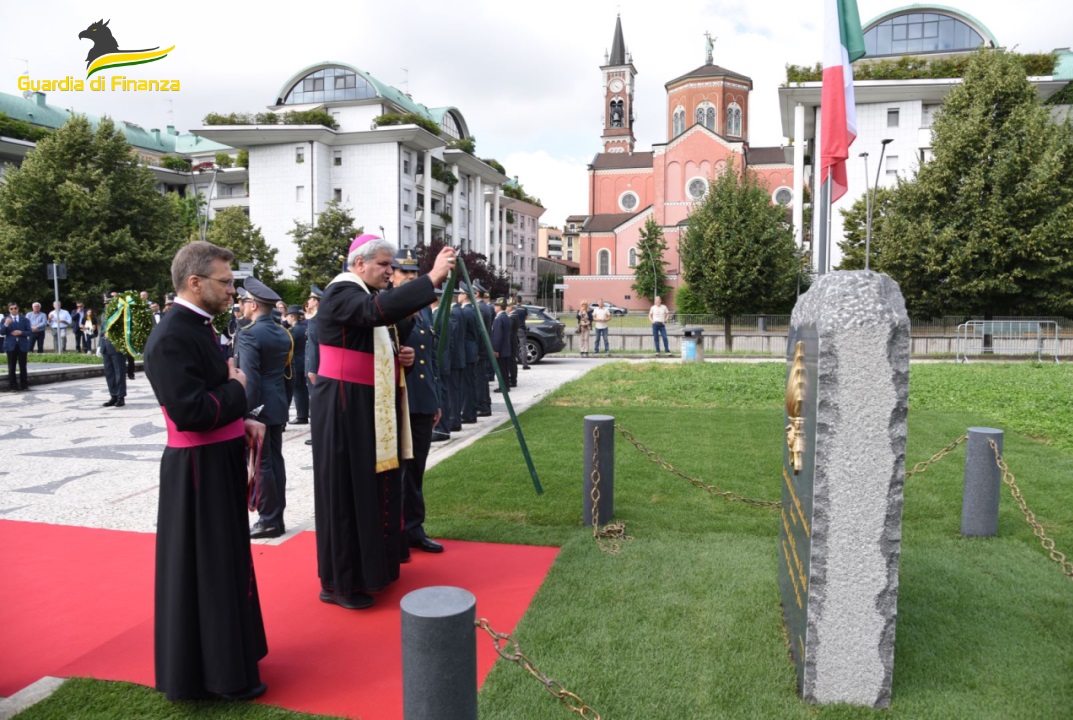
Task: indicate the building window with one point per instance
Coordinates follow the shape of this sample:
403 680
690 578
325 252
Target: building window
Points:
892 117
706 115
569 254
892 165
300 193
783 196
328 84
408 233
615 113
300 154
633 257
407 197
406 164
603 262
734 120
337 157
678 121
628 201
337 194
914 32
697 188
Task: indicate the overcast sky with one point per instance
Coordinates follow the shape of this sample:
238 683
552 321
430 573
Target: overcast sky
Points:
524 75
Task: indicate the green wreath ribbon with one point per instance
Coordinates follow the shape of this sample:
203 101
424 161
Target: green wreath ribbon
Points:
129 322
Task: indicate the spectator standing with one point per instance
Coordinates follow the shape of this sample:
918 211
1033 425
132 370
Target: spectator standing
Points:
600 317
88 331
17 332
38 323
519 308
502 344
59 320
114 364
77 318
657 315
584 326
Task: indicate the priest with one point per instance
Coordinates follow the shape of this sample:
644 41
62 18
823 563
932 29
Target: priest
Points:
208 631
360 412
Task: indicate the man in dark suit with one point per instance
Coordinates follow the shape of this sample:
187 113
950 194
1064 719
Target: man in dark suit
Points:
517 346
264 349
17 331
484 363
457 348
311 360
77 318
296 320
469 396
423 396
502 339
115 363
519 307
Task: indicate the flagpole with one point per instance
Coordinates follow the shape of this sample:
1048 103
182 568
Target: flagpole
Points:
823 227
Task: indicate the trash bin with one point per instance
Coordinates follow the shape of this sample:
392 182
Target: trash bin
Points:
692 344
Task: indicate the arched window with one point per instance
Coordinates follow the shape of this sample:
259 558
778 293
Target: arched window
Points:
734 120
603 262
449 125
700 115
678 121
633 257
916 32
329 84
709 118
616 113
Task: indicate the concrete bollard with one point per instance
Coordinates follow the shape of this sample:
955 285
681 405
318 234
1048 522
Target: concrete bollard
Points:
605 509
439 654
983 484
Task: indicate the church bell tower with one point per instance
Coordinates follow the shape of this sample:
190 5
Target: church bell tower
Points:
618 76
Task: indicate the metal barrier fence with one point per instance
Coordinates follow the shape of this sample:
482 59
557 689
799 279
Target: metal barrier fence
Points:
1008 337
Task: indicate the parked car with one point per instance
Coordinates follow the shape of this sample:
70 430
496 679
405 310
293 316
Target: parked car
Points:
543 334
616 311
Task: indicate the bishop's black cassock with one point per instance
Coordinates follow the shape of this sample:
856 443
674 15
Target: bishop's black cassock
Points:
208 631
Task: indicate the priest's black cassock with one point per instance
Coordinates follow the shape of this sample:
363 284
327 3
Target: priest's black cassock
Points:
208 630
358 508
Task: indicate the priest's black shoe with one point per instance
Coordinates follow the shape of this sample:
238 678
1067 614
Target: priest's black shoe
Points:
111 402
438 436
354 601
427 544
260 530
250 693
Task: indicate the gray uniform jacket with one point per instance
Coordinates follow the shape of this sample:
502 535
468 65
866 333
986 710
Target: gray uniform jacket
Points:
263 347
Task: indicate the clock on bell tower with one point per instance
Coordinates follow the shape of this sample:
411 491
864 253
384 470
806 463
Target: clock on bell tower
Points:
619 74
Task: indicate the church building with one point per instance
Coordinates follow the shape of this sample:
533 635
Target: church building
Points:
707 124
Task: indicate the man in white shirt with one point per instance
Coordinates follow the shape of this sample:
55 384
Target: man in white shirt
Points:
59 320
600 317
38 323
657 315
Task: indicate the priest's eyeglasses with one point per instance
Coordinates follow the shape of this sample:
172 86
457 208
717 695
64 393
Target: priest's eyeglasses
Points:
226 283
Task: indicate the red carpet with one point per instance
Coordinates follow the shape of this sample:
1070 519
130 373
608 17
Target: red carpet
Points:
79 601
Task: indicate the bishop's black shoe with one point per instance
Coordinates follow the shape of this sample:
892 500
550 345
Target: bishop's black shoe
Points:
260 530
427 544
354 601
250 693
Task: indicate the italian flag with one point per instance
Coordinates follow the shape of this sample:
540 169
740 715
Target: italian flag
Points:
843 42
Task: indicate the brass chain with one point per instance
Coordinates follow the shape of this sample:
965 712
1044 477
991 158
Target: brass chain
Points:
924 464
611 537
712 489
1030 517
508 649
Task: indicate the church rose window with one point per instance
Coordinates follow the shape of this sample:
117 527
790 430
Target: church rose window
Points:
628 201
783 196
697 188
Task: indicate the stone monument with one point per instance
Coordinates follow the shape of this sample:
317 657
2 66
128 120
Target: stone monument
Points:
843 474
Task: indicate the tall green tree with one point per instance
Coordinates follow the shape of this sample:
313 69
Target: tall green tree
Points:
649 275
986 227
738 251
81 198
322 249
232 229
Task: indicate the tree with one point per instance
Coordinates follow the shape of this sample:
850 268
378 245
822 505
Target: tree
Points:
986 227
322 249
855 224
81 198
650 279
738 252
232 229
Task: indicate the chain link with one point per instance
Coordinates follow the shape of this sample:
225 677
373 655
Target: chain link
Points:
925 464
1030 517
611 537
509 650
712 489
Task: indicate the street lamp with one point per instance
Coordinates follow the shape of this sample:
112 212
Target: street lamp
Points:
869 200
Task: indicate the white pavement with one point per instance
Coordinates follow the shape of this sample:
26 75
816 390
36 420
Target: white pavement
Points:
70 461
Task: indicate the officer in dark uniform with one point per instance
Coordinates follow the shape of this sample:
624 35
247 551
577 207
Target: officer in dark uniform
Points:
264 350
442 429
519 308
517 348
296 319
484 363
473 336
423 396
457 348
312 352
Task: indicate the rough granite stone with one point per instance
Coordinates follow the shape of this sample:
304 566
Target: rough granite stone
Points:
861 332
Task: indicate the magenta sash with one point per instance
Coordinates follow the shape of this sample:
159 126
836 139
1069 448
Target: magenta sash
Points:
191 438
353 366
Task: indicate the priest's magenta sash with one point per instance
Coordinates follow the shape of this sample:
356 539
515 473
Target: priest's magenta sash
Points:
351 366
192 438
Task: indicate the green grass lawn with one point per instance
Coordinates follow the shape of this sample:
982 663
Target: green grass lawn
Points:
685 622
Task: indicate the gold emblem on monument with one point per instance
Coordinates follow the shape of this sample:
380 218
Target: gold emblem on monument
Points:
795 395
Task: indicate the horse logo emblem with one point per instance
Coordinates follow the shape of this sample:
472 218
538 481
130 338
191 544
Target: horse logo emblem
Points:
105 52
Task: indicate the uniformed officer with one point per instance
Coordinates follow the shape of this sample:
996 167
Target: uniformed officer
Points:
442 430
457 348
423 396
469 396
296 319
264 352
484 363
312 353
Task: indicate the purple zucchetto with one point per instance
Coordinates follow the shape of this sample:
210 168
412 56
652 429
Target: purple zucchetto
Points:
361 240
